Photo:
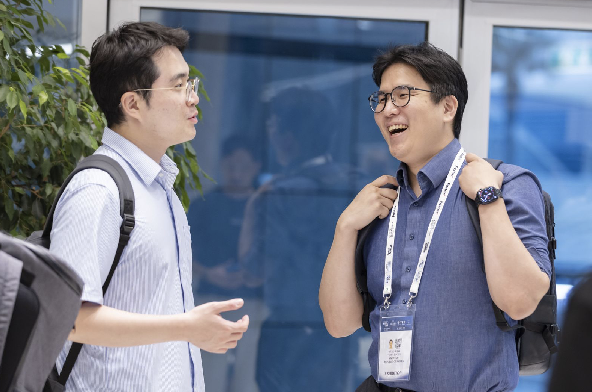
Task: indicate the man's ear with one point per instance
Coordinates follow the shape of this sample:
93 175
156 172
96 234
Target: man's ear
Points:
450 106
130 105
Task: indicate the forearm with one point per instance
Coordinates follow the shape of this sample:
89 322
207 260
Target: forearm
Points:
338 296
515 281
104 326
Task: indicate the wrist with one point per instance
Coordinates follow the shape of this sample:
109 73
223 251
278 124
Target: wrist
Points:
179 327
491 208
344 227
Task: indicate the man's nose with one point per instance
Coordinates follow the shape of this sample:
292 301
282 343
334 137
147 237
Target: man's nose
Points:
193 99
390 107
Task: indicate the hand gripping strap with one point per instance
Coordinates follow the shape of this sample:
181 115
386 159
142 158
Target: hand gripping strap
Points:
126 198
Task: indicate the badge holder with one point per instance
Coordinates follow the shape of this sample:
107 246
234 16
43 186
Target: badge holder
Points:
395 342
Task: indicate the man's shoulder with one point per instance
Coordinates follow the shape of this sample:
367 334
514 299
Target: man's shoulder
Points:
91 181
517 174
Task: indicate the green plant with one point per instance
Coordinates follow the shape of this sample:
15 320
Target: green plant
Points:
49 119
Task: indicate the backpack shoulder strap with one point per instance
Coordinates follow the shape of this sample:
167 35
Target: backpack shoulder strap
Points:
126 198
362 275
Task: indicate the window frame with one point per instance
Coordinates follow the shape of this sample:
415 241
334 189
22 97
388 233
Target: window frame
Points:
480 17
442 15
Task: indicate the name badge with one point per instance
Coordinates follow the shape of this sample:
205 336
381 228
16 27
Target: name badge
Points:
395 342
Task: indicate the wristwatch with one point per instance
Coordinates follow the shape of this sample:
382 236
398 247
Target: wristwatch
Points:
487 195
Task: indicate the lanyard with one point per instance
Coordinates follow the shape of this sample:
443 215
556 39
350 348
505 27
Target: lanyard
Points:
390 241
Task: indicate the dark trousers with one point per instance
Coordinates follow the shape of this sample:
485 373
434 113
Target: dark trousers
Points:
370 385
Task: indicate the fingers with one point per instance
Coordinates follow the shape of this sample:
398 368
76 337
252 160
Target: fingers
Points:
470 157
226 306
385 211
385 179
238 329
390 194
241 325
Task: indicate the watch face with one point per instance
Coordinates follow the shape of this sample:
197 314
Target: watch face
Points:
487 195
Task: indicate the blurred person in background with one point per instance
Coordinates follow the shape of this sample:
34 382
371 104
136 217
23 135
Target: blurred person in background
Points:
216 221
284 240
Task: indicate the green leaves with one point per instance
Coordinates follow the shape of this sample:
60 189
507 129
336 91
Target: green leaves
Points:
9 207
42 98
23 107
4 90
72 107
12 99
49 120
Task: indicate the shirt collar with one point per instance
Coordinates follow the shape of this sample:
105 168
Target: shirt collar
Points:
146 168
435 171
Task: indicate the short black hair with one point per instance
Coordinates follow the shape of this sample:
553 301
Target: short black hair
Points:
237 142
122 61
440 71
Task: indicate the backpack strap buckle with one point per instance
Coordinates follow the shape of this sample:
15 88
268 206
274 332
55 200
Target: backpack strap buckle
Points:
128 224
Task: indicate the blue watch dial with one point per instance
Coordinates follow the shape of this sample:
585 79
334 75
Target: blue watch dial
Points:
487 195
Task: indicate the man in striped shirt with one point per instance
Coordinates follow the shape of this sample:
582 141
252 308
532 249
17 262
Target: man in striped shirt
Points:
145 333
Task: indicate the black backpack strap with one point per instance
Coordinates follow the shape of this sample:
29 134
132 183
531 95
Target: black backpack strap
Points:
552 244
126 198
362 275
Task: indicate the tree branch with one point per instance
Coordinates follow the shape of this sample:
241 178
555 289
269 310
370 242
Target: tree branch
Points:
5 129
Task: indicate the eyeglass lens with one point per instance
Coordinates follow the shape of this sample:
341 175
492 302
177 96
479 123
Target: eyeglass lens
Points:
400 97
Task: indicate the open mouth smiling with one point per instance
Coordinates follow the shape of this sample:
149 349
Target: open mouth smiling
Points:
397 128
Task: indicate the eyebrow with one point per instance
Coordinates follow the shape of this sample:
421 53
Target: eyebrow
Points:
181 75
401 85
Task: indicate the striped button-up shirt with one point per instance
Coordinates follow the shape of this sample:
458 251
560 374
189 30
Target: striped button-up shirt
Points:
153 275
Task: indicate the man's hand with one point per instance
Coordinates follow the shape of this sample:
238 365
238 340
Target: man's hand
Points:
207 329
478 174
372 201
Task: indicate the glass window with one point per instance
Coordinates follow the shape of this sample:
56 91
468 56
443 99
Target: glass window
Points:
541 119
68 12
290 139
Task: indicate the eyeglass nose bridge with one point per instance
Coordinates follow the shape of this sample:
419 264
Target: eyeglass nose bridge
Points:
393 98
192 86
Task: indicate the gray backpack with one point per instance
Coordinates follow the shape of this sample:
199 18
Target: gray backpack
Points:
40 296
39 302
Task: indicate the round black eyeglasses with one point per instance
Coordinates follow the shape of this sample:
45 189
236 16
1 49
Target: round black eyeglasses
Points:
400 97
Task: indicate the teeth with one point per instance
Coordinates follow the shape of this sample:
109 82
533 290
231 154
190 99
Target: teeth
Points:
397 127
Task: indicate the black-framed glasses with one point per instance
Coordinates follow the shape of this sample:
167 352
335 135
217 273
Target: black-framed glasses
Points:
192 85
400 97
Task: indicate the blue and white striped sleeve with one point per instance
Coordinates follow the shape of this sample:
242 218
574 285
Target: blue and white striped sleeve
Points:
86 229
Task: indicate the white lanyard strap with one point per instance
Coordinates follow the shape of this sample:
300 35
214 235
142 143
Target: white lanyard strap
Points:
388 259
390 242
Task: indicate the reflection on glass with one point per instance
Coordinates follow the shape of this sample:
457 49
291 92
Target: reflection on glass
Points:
541 119
295 90
68 12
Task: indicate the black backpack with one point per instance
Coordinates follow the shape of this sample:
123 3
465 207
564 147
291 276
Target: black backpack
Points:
536 335
126 196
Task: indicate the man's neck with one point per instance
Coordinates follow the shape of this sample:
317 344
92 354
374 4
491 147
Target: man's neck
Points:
414 168
142 141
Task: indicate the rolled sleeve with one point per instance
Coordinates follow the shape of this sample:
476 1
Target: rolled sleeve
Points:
85 229
526 208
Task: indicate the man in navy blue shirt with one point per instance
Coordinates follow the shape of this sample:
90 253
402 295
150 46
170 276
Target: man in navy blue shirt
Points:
425 259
